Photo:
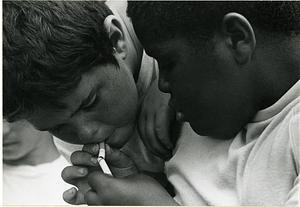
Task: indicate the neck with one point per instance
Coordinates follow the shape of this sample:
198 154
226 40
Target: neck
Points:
44 152
279 72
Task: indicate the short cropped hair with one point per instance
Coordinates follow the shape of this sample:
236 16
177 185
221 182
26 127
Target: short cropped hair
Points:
47 46
162 20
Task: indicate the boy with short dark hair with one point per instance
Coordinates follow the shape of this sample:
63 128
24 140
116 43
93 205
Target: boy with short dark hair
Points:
77 70
233 71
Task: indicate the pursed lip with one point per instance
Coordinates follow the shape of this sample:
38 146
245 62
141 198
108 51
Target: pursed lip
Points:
106 139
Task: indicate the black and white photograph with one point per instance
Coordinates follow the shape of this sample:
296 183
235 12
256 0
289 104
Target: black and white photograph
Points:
150 103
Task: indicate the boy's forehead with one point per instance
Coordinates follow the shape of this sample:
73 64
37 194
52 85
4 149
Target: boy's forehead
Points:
165 48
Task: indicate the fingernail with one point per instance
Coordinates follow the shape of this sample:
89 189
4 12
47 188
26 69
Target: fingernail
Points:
94 160
71 191
82 171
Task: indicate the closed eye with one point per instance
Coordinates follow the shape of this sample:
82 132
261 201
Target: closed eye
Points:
90 102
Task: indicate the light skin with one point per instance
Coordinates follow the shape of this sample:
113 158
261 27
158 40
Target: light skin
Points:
103 107
218 89
97 109
24 145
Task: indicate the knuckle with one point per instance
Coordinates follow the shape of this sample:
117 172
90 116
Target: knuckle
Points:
91 148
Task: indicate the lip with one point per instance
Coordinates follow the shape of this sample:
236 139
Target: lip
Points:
106 139
111 143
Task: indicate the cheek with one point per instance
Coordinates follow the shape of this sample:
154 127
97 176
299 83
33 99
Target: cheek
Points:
121 100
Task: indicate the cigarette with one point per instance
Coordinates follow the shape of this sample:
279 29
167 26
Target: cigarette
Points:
101 159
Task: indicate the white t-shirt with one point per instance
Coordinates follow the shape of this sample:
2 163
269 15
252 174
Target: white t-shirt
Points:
260 166
34 185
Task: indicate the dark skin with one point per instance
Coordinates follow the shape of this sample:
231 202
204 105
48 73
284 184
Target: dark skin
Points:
218 90
220 87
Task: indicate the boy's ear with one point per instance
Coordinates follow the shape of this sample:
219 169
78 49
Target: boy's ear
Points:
240 37
116 35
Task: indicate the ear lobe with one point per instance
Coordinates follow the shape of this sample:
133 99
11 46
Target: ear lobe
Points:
240 37
115 33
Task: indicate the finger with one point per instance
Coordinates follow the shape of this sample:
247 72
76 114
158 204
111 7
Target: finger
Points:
142 128
92 198
98 181
155 145
70 174
162 126
83 158
93 149
142 132
73 196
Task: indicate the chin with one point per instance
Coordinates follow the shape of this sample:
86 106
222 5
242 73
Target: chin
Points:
114 141
116 145
212 133
199 130
13 157
203 130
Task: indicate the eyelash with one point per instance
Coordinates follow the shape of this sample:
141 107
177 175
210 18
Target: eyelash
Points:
91 103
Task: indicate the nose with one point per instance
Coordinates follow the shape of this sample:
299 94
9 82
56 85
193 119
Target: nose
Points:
85 129
163 84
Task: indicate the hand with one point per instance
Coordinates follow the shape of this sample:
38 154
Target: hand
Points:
119 163
155 120
76 176
133 190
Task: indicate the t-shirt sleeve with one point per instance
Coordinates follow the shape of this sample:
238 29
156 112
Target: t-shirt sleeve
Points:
294 194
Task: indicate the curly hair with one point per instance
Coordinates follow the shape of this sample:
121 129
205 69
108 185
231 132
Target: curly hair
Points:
47 46
161 20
